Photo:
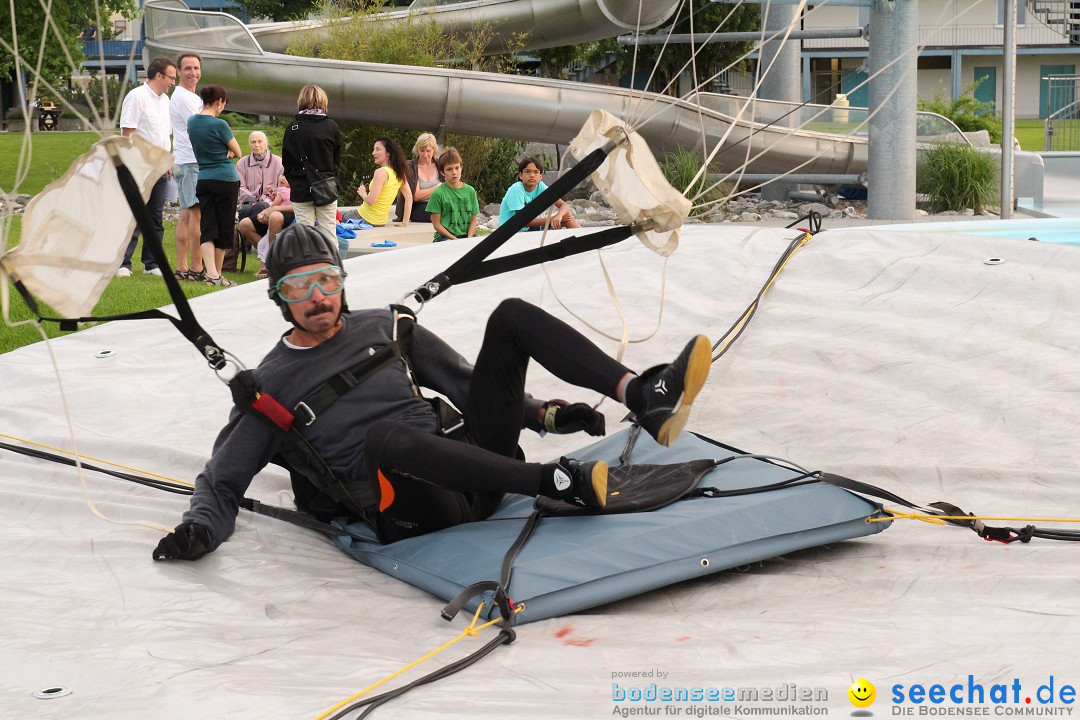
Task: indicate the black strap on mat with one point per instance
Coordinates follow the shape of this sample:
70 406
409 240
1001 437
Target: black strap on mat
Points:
986 532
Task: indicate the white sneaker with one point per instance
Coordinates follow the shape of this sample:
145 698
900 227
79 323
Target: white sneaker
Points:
154 271
123 272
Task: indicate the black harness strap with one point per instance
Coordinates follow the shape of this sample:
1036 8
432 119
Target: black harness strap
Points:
500 589
298 518
248 396
308 409
468 267
573 245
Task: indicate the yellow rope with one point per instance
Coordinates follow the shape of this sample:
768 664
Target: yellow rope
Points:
725 341
470 631
940 519
98 460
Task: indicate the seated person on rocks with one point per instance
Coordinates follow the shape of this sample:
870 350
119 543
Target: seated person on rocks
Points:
259 171
388 462
262 225
528 187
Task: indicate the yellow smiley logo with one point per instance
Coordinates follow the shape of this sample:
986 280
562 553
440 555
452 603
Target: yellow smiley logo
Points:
862 693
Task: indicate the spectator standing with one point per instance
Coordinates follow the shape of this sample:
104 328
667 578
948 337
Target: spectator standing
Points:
310 151
424 177
146 112
213 142
391 176
185 103
259 171
454 206
528 187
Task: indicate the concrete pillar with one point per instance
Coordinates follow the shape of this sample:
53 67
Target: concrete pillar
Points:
783 79
894 30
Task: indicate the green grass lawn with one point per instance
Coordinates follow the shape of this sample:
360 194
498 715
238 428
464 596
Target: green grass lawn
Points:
1031 134
123 295
51 154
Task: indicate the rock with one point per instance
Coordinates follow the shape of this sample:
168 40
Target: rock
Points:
968 211
748 217
807 208
785 215
15 204
598 197
921 213
491 209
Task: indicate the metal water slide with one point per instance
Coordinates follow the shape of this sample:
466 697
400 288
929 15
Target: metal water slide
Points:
490 104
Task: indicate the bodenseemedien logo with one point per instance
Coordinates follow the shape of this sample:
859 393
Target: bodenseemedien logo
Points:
862 694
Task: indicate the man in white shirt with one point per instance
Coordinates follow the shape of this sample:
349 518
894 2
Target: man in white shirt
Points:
146 112
185 103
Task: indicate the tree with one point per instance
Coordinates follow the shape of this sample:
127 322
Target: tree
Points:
670 61
298 9
70 18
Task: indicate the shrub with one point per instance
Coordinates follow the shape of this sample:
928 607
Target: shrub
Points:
679 168
490 164
957 177
105 96
968 113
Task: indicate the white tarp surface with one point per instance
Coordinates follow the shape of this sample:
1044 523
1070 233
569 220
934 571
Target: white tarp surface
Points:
898 359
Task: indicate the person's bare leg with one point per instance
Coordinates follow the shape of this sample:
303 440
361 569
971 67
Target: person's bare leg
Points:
210 264
183 224
194 249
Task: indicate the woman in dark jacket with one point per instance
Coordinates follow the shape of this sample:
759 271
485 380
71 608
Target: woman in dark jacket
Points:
311 151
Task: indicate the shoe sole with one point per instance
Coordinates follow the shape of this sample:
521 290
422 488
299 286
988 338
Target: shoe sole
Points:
697 372
599 482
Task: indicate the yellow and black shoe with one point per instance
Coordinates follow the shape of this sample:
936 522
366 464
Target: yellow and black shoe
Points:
660 397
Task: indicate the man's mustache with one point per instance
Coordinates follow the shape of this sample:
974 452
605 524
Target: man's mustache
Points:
323 307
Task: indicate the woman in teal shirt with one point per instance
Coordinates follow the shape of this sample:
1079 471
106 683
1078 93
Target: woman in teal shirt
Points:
214 146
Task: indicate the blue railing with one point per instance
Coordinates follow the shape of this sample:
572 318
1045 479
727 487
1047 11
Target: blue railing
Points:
112 49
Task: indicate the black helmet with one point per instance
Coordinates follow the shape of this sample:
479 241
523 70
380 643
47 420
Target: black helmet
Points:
296 246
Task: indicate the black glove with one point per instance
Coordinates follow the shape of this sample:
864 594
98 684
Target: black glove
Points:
189 541
562 418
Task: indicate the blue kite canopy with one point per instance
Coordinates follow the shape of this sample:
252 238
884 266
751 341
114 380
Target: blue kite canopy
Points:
573 563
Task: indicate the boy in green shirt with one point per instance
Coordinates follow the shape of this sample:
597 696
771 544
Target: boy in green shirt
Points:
453 205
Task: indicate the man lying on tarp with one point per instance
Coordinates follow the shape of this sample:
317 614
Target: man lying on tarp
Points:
385 459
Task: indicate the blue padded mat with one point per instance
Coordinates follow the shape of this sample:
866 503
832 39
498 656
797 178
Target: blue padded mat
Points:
574 563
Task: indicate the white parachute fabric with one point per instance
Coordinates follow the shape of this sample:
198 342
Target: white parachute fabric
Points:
75 231
632 182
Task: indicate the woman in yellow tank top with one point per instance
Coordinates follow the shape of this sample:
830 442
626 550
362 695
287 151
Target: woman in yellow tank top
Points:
389 178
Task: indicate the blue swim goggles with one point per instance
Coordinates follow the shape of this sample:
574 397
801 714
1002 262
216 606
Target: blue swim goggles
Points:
297 287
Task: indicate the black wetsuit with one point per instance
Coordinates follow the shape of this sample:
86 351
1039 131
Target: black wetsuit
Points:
380 428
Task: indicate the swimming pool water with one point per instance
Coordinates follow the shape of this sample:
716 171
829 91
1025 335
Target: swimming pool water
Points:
1052 230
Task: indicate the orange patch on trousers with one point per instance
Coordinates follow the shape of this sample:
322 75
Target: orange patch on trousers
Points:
386 492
